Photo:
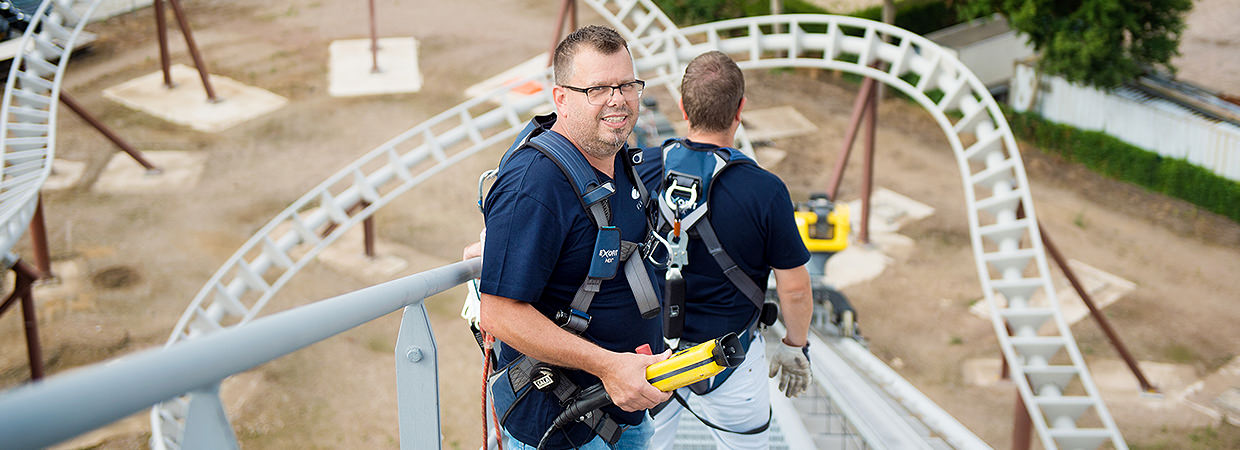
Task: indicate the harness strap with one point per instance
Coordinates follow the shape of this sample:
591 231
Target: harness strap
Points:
643 290
730 269
520 374
639 283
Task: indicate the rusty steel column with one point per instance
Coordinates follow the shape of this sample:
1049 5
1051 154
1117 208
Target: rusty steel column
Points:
38 242
1094 311
161 29
107 132
854 123
1022 426
368 233
867 176
24 277
193 49
559 26
374 40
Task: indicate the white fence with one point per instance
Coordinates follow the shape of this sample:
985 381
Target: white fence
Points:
1134 117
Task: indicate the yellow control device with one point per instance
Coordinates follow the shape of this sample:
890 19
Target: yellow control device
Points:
838 238
696 363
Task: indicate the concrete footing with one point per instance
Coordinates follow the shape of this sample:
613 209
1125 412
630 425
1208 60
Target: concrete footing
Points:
1103 287
186 102
65 174
180 171
352 62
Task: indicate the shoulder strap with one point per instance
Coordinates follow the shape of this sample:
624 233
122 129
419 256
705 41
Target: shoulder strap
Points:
734 273
580 173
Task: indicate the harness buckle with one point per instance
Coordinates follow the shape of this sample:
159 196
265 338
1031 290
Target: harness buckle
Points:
677 250
682 191
573 320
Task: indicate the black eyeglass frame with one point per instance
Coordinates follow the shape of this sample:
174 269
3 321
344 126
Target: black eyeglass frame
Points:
641 84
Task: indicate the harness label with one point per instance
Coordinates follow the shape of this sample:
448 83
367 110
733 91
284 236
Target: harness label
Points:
606 257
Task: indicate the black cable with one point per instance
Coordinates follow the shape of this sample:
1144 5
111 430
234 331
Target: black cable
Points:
592 398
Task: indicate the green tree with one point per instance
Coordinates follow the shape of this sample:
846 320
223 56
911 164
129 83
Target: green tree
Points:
1098 42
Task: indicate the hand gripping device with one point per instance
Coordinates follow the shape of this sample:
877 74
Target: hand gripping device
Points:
683 368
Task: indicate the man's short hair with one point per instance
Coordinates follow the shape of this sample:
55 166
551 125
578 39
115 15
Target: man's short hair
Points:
601 39
711 91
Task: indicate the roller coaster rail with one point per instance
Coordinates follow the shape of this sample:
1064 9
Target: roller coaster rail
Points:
995 187
28 113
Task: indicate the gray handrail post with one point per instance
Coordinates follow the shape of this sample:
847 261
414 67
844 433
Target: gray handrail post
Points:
206 426
417 381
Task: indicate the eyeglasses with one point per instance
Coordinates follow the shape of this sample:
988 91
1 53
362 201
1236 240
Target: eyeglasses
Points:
599 95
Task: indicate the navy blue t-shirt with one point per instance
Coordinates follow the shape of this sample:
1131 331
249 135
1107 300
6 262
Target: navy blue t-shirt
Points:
751 212
538 248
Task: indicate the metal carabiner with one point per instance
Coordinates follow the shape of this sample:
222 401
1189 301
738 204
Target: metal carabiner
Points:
482 179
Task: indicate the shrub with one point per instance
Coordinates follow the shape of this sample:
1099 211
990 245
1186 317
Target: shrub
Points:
1123 161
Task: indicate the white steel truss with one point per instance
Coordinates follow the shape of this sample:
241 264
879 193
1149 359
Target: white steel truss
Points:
28 114
1047 367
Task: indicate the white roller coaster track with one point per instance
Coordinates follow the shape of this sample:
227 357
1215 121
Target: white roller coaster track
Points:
28 114
1057 390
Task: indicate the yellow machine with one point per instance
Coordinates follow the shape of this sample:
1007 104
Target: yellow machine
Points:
696 363
829 237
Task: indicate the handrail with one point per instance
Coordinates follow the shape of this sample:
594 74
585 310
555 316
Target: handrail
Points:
44 413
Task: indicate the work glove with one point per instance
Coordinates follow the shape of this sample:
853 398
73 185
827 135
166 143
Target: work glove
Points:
792 366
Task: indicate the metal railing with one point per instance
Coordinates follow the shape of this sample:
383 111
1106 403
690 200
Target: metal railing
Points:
44 413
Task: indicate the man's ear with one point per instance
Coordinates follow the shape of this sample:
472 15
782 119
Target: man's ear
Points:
681 104
739 108
558 97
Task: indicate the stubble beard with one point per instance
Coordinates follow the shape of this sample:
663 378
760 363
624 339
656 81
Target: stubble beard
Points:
604 143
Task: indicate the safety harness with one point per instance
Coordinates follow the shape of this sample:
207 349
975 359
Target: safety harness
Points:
511 384
688 175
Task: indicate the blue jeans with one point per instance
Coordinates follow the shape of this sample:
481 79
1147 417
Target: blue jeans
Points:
635 437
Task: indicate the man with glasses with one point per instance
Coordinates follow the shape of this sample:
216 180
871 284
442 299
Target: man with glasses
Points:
539 247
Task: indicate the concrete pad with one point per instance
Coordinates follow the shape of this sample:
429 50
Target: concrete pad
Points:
1103 287
774 123
1114 376
856 264
983 371
888 211
768 157
181 171
1229 402
1111 376
63 294
347 255
1218 394
186 103
351 62
517 76
110 8
65 174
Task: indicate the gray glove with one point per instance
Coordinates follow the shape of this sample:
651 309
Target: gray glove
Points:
793 362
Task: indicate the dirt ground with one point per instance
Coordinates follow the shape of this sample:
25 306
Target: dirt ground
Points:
341 393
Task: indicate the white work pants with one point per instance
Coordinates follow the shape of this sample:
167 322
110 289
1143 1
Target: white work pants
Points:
742 403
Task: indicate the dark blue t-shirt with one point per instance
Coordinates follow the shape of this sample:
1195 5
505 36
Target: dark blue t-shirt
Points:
538 248
751 212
